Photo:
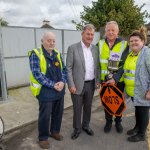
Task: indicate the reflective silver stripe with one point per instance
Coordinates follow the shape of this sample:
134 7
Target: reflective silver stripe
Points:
104 72
36 85
100 46
39 50
129 78
122 47
104 61
129 71
130 50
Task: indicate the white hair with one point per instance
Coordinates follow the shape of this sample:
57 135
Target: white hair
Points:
112 22
48 34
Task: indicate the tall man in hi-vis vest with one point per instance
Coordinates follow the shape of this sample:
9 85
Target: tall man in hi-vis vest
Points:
48 77
112 49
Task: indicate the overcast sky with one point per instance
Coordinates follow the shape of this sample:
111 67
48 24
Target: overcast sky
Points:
31 13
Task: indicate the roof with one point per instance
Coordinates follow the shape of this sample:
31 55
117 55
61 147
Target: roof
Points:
46 26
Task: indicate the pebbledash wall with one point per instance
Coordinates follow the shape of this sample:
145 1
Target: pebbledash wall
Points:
16 41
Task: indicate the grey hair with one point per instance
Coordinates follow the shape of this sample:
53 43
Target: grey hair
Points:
88 26
112 22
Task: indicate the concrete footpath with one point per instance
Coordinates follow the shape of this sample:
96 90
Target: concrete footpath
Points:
21 108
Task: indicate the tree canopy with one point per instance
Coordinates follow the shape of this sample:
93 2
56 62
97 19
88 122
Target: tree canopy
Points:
3 22
128 15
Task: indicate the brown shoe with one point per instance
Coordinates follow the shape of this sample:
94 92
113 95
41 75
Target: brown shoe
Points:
44 144
57 136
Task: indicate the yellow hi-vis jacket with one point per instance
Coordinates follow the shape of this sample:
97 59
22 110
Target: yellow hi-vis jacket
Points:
104 55
129 73
35 86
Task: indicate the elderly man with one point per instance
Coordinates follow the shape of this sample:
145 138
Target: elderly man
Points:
48 77
83 75
111 46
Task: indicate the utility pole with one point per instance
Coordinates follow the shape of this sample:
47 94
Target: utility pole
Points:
2 68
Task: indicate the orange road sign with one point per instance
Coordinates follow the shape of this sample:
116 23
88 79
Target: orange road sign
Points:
112 99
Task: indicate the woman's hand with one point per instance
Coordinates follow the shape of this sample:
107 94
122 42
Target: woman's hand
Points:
148 95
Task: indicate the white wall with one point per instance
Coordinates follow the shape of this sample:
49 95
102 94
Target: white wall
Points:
17 71
17 41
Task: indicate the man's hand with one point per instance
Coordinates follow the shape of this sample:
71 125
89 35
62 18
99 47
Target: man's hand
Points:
98 87
148 95
59 86
73 90
111 81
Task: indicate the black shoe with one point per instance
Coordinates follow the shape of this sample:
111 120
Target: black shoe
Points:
133 131
107 127
119 127
75 134
136 138
89 131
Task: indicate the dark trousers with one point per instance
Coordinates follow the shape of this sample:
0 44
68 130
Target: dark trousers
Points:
83 102
142 119
109 117
136 117
50 118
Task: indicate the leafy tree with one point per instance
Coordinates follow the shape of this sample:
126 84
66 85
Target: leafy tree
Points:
3 22
128 15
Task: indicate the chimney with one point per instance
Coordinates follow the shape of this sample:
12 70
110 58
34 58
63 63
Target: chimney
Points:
46 22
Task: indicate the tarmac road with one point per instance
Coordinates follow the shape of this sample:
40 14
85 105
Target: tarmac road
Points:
26 138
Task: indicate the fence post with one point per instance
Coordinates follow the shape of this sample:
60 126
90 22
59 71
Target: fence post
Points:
2 69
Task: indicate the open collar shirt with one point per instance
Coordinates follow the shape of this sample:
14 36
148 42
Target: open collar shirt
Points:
89 62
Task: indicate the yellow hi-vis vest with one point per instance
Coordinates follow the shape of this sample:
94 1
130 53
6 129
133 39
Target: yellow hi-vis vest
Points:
129 73
104 55
35 86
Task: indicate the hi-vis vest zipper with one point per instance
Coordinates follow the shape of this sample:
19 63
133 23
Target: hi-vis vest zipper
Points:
104 54
35 86
129 73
